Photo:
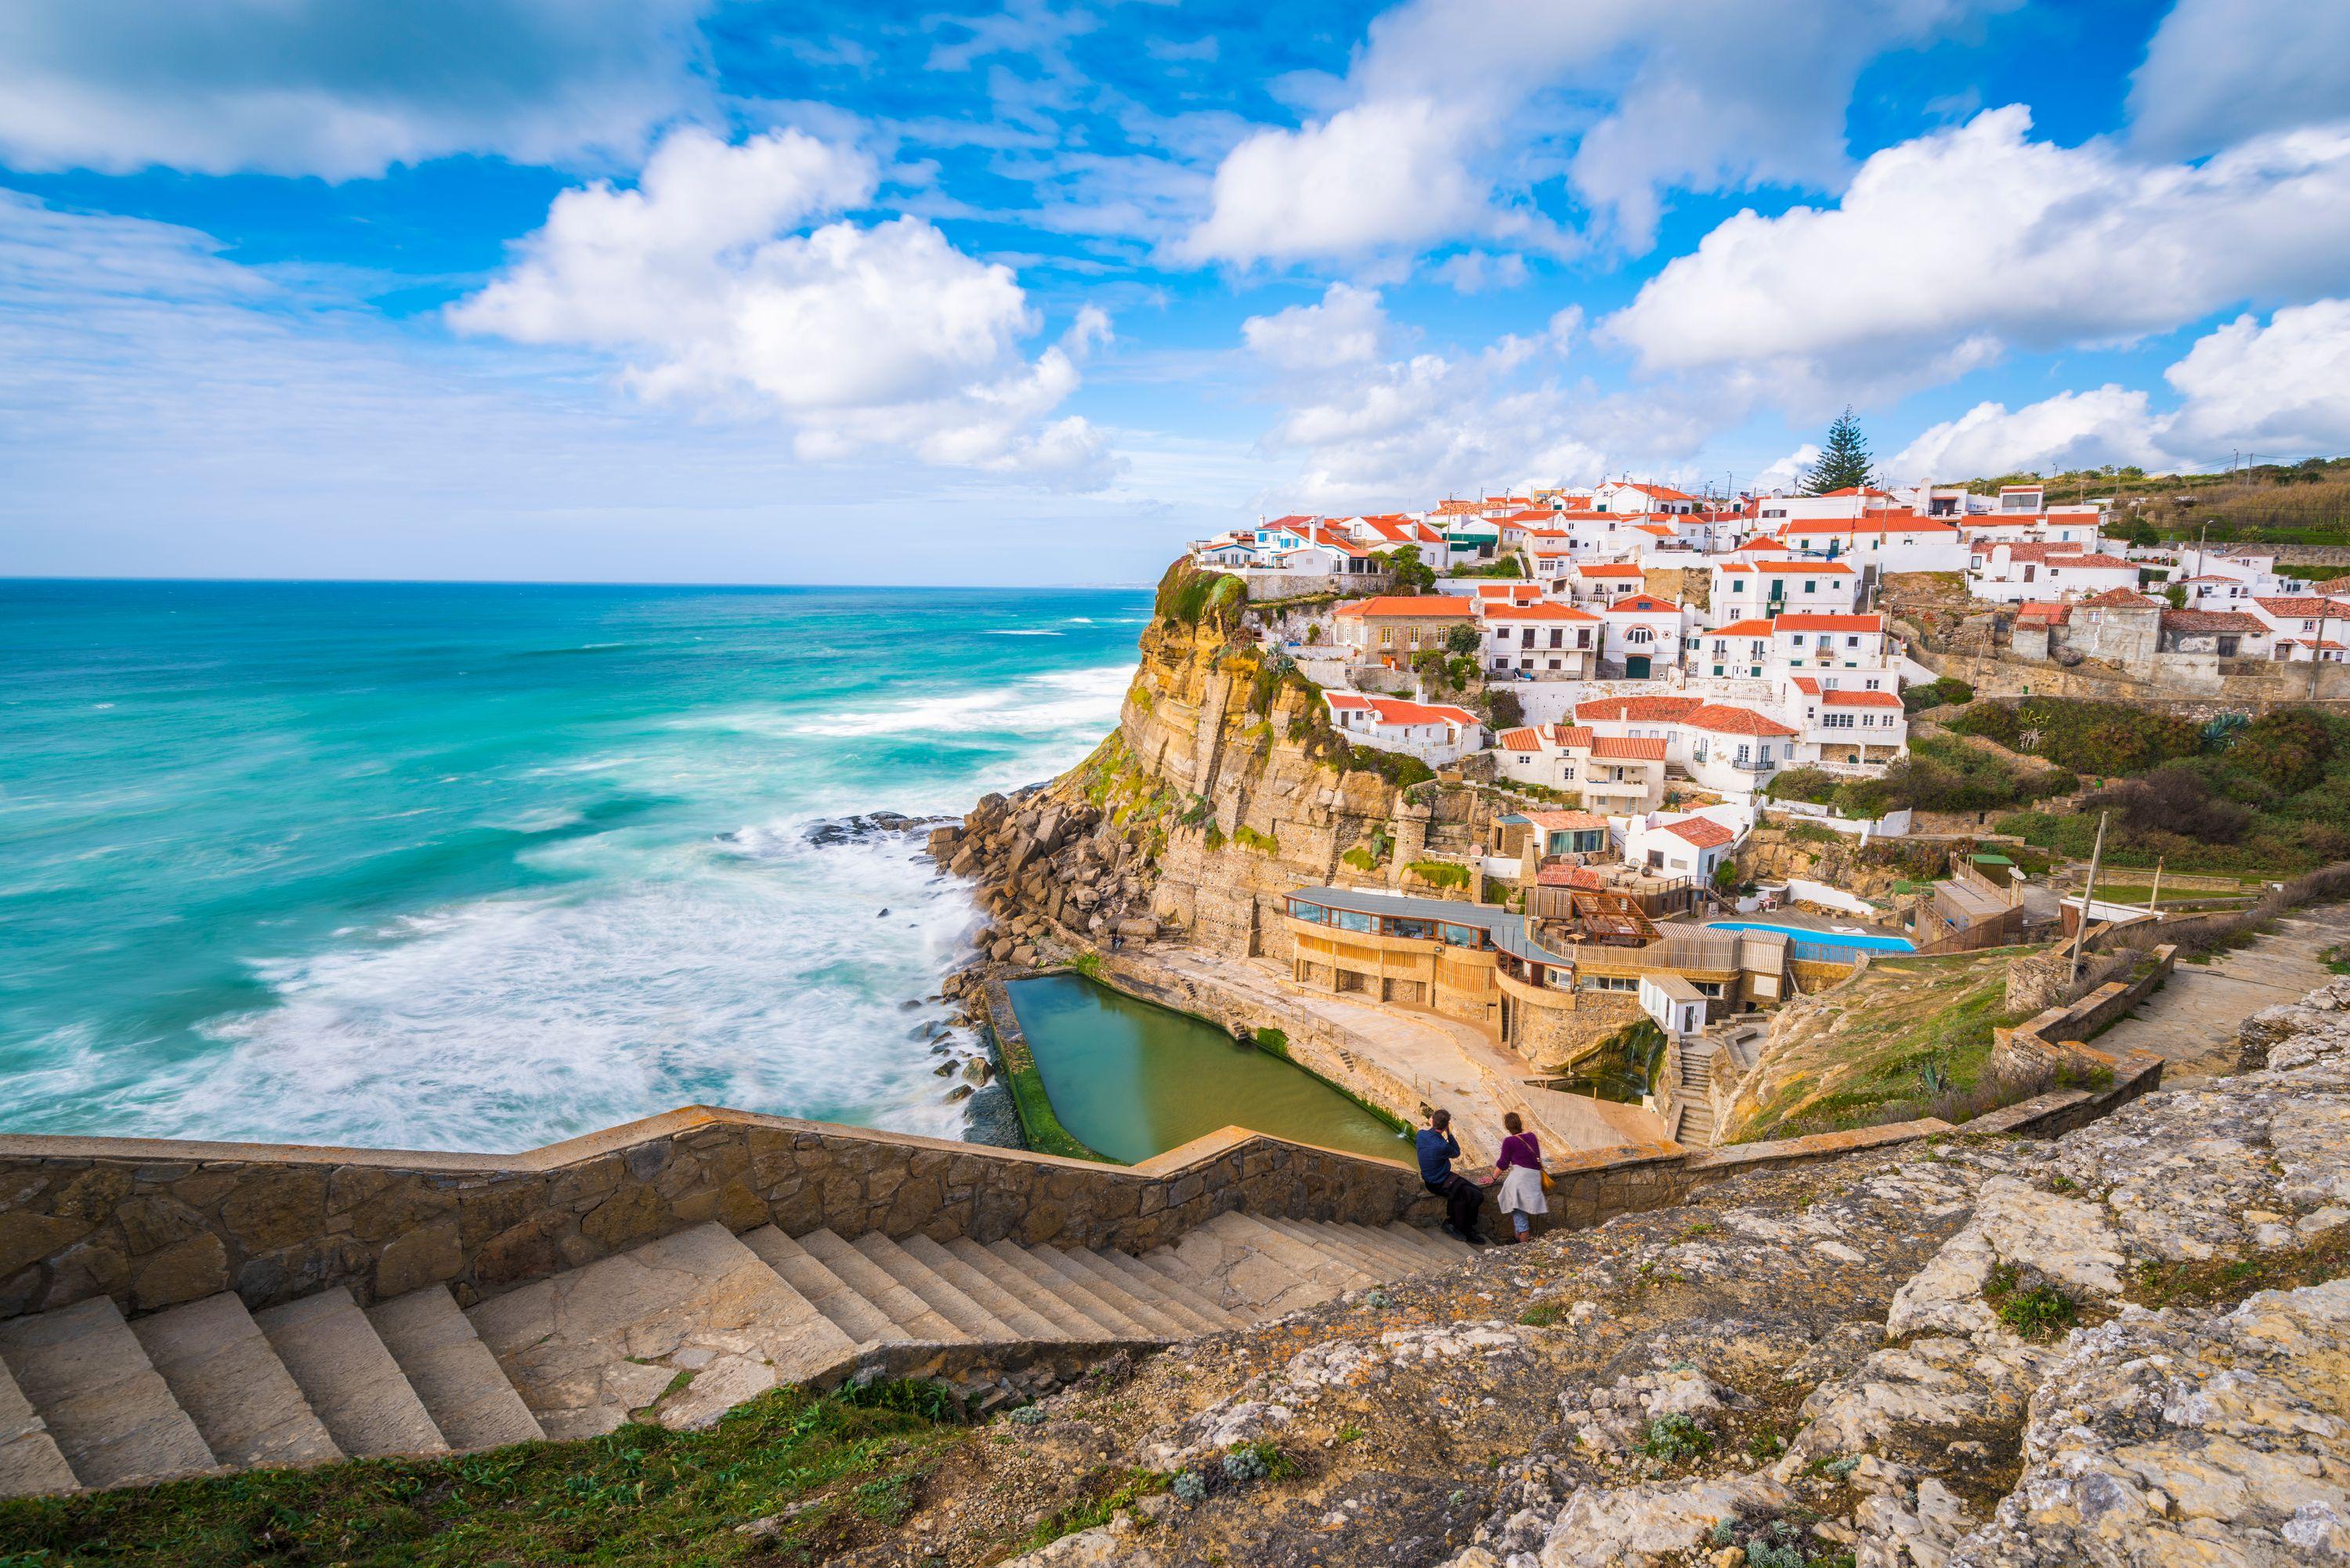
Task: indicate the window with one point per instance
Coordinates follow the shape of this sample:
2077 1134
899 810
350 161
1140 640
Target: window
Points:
1386 636
1738 585
1836 721
1610 982
1639 634
1852 642
1811 584
1350 921
1313 913
1744 752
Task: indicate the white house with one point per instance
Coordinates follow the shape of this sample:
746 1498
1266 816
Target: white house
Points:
1614 773
1625 495
1730 750
1686 843
2034 528
1540 641
2305 626
1741 648
1839 650
1550 553
1847 502
1601 583
2007 573
1891 542
1644 635
1435 733
1765 585
1844 725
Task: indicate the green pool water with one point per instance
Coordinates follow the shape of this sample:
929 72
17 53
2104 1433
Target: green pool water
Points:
1132 1080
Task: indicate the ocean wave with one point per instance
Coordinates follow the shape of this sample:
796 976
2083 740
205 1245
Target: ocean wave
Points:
1021 631
771 983
1057 702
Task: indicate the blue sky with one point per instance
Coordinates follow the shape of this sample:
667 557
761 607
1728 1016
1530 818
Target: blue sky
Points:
708 291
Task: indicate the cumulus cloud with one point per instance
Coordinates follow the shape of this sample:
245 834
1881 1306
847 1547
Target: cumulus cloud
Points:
2283 388
859 336
1373 418
1473 272
1947 249
1423 144
311 87
2218 70
1789 471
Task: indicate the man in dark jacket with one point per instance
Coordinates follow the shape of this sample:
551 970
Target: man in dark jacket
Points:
1438 1150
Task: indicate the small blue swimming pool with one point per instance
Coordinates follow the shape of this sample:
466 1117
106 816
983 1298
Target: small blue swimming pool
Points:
1818 946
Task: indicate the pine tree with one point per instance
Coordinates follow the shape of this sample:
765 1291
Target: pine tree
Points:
1845 463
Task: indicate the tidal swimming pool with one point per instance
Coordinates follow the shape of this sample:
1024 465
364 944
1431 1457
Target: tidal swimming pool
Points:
1132 1080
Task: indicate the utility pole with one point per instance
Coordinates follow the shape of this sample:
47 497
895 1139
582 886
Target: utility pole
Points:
2317 654
2088 899
2155 898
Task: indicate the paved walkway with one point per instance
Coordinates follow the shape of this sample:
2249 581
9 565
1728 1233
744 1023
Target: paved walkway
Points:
1451 1064
2192 1020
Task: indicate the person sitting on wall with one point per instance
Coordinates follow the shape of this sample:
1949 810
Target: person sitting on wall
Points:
1463 1197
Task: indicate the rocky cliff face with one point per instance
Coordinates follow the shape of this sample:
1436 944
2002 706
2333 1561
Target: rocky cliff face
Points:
1221 790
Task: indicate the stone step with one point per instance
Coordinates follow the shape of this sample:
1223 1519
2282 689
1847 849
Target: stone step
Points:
1113 1324
683 1328
1186 1303
1316 1265
1435 1246
1023 1321
348 1378
1057 1306
221 1368
1407 1246
945 1297
458 1380
1242 1274
855 1317
1154 1321
1376 1266
30 1463
109 1411
906 1308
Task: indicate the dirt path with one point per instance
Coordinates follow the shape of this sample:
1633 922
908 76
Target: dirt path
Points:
2192 1020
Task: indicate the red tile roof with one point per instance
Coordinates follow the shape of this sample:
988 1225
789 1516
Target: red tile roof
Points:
1398 607
1521 741
2192 621
1643 604
1582 878
1397 711
1571 821
1843 698
1611 569
1545 610
1724 720
2094 562
1830 623
1742 629
1902 522
2122 598
2309 605
1628 748
1702 831
1617 709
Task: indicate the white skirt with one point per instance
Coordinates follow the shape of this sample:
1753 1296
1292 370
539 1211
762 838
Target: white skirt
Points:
1521 1192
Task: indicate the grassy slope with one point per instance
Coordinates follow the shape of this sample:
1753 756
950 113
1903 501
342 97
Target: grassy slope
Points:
1865 1062
641 1494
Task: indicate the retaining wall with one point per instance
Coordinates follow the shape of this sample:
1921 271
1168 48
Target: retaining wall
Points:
152 1222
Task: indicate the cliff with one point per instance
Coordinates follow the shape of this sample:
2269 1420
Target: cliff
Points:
1222 788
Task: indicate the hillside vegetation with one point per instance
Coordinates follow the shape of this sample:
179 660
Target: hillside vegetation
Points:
2270 503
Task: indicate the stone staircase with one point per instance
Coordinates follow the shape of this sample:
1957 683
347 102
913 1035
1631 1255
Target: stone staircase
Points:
676 1331
1692 1102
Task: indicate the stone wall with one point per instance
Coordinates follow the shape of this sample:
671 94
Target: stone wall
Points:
2053 1038
153 1223
1273 586
2042 980
2192 686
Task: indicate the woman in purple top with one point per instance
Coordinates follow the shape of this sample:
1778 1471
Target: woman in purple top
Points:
1520 1165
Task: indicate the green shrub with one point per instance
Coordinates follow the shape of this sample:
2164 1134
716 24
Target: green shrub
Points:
1676 1439
1441 873
1273 1042
1811 785
1190 596
1248 837
1360 859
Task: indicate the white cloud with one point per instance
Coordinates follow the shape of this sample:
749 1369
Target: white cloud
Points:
1789 471
859 336
2218 70
169 412
1372 420
1425 141
1954 245
1348 328
1473 272
312 87
2072 430
1377 175
2282 389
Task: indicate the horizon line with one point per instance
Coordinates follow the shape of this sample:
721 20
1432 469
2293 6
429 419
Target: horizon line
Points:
7 577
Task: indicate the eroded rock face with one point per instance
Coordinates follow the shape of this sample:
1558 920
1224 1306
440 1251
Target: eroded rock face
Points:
1807 1363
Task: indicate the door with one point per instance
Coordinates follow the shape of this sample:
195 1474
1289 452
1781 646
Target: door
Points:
1636 667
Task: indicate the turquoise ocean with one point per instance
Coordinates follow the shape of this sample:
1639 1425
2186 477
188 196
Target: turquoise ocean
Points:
480 866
